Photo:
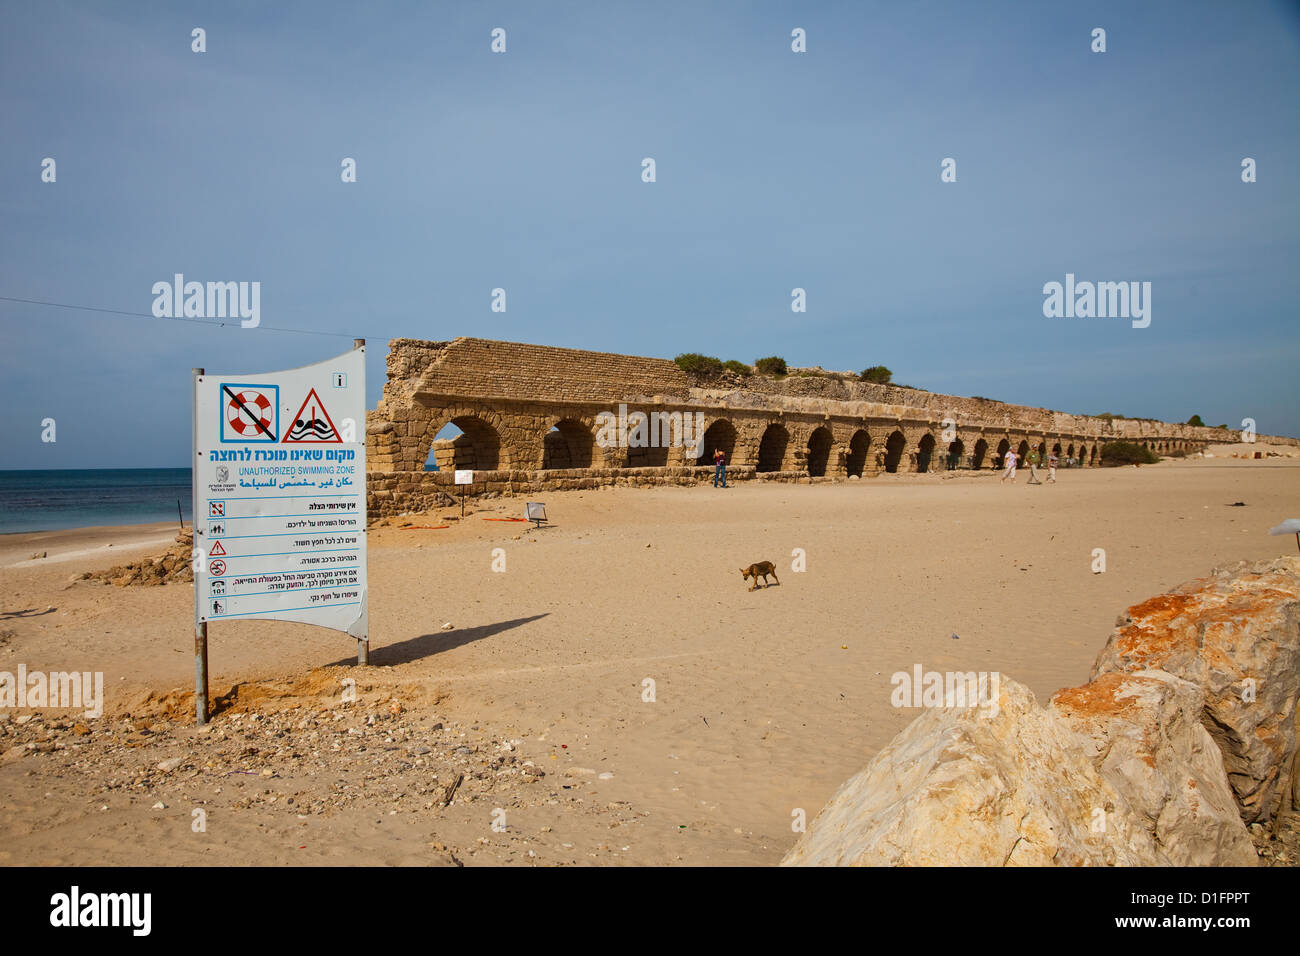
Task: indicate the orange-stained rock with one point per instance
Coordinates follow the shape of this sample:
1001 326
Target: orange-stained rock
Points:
1236 635
1143 733
961 787
1186 732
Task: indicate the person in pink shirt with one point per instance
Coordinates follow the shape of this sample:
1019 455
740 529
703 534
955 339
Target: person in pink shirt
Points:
1011 467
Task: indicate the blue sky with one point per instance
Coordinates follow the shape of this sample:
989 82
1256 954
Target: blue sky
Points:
775 170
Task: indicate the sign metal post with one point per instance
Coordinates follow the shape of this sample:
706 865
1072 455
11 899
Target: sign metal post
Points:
463 478
200 628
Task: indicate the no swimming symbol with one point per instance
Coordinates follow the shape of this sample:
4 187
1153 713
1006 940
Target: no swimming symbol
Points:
249 413
312 424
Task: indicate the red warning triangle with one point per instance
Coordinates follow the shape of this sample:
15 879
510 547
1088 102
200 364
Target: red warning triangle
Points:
312 425
217 548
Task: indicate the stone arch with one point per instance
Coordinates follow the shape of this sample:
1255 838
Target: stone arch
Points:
648 450
478 447
859 447
1069 452
895 445
651 456
772 448
819 451
1042 451
981 450
924 453
956 448
719 436
1083 455
1000 459
570 444
1022 452
1056 449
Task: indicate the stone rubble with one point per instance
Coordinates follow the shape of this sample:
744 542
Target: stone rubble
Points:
173 566
310 758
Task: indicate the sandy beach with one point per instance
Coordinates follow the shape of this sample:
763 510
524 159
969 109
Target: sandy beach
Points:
764 701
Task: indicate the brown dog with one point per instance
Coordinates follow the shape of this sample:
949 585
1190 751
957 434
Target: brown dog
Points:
763 568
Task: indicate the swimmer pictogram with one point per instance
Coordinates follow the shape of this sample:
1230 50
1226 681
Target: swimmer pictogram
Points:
312 424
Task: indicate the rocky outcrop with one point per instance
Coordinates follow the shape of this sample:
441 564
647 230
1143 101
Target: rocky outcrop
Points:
1143 734
1236 636
1186 733
961 787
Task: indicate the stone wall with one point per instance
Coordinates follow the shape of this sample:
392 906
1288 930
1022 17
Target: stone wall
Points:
529 417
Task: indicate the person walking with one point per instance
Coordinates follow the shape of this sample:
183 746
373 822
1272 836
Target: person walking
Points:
1052 462
719 468
1010 460
1033 460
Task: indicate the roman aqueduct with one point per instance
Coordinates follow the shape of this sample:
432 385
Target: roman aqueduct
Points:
528 417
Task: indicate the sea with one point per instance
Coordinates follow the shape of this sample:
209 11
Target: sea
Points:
47 500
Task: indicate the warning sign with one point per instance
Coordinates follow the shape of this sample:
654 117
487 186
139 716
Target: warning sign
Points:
249 413
312 424
280 496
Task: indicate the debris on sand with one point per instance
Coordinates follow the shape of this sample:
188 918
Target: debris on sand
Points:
171 567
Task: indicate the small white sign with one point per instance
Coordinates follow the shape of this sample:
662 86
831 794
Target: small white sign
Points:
464 477
535 510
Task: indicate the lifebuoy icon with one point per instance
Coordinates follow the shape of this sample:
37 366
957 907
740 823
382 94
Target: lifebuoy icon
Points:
248 412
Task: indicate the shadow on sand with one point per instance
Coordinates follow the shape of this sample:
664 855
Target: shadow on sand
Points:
29 612
427 645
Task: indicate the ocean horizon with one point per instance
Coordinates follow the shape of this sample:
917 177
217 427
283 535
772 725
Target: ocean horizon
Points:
53 499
